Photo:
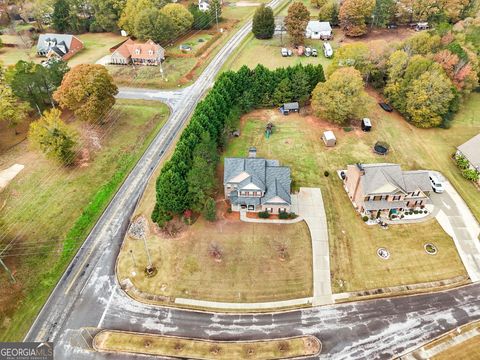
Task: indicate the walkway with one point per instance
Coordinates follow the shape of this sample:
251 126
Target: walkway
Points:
310 207
244 306
457 220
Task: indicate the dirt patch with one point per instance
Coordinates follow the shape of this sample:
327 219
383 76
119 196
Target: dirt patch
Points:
388 35
9 174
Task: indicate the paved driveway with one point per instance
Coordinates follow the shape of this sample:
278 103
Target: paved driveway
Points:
457 220
310 206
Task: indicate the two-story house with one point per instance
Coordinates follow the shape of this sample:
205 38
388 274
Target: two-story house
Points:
382 188
148 53
61 46
254 184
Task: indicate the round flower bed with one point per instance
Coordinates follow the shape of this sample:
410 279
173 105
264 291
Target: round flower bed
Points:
430 249
383 253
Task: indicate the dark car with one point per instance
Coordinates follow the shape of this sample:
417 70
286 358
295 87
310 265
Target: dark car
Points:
392 26
385 107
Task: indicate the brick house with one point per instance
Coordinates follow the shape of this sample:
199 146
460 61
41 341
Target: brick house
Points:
376 189
148 53
255 184
60 46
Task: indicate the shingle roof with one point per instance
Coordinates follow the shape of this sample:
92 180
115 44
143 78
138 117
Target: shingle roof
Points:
471 150
389 178
319 26
149 50
265 174
291 106
44 40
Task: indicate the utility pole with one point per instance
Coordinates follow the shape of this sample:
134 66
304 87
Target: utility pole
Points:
161 70
216 15
12 279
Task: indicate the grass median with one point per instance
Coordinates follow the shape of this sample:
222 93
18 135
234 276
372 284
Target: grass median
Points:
160 345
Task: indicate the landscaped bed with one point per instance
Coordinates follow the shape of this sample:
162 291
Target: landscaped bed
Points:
138 343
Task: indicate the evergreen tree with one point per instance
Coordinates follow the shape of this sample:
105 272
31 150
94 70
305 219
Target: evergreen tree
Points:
283 93
263 25
201 19
209 211
61 16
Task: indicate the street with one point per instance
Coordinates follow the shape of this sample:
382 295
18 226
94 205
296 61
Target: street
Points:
88 297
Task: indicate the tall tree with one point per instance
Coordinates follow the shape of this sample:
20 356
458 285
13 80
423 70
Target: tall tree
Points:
329 12
296 22
87 90
107 13
180 17
353 16
12 110
341 97
53 137
384 12
201 19
61 16
263 25
215 10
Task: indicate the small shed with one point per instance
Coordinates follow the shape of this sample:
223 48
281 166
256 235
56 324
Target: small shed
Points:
366 124
287 108
329 138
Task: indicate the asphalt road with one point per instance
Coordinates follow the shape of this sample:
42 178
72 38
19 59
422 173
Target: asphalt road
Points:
87 297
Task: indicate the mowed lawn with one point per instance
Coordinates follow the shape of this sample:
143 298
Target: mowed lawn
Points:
297 143
96 46
44 201
251 267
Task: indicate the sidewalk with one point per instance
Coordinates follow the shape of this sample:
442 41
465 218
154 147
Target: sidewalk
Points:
243 305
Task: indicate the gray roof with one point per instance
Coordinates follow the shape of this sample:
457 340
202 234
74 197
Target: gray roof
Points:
319 26
60 43
471 150
291 106
266 174
389 178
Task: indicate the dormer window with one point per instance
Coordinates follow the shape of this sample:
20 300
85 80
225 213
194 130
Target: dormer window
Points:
150 52
137 51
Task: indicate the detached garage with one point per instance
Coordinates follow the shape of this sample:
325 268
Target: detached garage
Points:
329 138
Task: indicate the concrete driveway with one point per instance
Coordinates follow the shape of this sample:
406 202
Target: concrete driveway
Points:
458 221
309 203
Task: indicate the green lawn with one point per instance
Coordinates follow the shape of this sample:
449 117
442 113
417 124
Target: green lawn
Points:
251 268
47 205
296 142
97 45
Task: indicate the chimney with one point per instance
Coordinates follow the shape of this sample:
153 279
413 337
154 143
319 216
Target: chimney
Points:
252 152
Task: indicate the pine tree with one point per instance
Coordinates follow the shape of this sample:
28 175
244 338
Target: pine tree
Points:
61 16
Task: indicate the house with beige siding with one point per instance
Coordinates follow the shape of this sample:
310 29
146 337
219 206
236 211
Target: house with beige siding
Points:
380 189
255 184
131 52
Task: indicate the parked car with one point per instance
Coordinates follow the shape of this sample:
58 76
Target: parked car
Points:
290 52
422 26
385 107
392 26
437 185
308 51
314 52
327 49
284 52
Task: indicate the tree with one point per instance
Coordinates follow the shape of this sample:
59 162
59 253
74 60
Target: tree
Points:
282 93
180 17
422 43
172 192
201 19
87 90
428 99
210 210
263 25
53 137
353 16
341 97
107 13
12 110
61 16
131 11
152 24
299 86
215 10
296 22
384 12
318 3
329 12
201 182
35 83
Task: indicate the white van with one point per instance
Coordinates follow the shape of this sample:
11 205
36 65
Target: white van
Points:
327 50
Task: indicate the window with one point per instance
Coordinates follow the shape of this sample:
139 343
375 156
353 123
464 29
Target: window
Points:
397 197
251 207
269 209
367 198
377 198
137 51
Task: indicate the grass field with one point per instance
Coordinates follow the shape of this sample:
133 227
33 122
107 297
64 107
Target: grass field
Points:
97 45
251 268
137 343
296 142
69 201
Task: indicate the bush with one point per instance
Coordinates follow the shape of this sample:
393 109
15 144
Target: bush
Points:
425 211
365 218
326 173
210 210
292 215
471 174
263 214
229 210
283 215
415 212
462 162
347 129
402 216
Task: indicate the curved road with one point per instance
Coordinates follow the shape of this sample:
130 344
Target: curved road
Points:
87 297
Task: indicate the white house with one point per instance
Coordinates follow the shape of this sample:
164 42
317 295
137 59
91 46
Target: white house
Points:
318 30
471 151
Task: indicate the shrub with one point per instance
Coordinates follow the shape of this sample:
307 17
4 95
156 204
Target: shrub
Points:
229 210
210 210
415 212
326 173
347 129
425 211
402 216
283 215
292 215
263 214
462 162
471 174
365 218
